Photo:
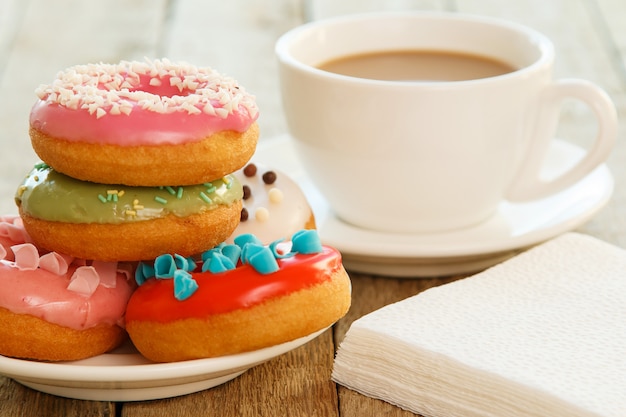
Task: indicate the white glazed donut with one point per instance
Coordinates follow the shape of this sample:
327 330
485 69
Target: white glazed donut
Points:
274 206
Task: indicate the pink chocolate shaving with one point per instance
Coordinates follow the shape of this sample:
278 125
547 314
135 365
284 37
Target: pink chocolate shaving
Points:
55 263
84 281
26 256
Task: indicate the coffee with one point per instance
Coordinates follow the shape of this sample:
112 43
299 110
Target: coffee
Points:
417 65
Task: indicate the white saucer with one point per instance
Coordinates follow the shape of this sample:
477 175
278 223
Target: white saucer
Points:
125 375
514 227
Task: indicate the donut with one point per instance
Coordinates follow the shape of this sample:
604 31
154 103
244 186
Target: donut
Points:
54 307
121 223
144 123
274 206
241 297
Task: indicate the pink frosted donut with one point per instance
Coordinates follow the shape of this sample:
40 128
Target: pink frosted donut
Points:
54 307
122 123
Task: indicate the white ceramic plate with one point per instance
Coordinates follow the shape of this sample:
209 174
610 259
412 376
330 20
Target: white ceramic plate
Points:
125 375
515 226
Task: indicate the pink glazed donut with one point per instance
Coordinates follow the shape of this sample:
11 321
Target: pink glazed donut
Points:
54 307
144 124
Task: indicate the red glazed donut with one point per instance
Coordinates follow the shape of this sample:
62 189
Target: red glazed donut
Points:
53 307
245 299
144 123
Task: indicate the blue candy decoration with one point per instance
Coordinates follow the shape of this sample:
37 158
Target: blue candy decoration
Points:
260 258
306 242
184 285
140 278
244 239
147 270
164 266
232 252
186 264
217 263
206 255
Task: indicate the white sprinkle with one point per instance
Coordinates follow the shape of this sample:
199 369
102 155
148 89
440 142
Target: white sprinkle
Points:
126 108
223 113
176 82
92 108
208 109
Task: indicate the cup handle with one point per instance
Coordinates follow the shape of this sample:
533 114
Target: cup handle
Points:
527 185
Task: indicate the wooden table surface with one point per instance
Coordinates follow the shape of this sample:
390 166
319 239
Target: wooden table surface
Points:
40 37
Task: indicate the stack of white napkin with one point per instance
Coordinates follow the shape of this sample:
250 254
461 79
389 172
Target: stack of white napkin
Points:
542 334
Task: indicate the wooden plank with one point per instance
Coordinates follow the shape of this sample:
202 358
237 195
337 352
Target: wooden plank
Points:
18 401
295 384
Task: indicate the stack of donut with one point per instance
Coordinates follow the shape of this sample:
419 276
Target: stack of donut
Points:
137 160
145 161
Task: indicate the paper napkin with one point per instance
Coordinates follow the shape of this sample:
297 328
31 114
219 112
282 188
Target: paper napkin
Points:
542 334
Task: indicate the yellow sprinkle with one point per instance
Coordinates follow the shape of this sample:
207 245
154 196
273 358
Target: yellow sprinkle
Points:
131 213
226 180
21 190
138 207
135 202
121 193
112 192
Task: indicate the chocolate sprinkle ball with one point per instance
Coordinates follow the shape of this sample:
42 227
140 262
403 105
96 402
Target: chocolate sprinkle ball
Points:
247 192
249 170
244 214
269 177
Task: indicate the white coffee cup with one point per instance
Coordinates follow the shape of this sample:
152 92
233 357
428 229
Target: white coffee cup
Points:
423 156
